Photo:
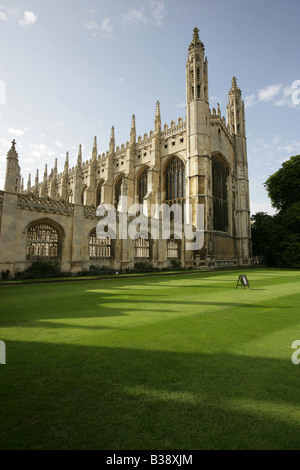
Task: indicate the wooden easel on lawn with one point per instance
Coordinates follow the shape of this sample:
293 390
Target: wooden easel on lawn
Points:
242 281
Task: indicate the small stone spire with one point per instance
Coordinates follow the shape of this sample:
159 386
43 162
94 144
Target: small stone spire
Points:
43 192
36 184
112 140
66 168
55 167
157 120
94 152
79 158
22 185
29 183
133 130
12 176
133 126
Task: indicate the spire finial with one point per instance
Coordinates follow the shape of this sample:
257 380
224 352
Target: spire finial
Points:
196 34
79 158
112 133
157 112
13 144
196 43
133 127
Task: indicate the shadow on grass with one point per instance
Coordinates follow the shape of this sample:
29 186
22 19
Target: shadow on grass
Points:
82 397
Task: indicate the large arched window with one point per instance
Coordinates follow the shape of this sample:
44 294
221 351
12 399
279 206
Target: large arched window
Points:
220 198
175 186
142 185
43 242
175 181
99 247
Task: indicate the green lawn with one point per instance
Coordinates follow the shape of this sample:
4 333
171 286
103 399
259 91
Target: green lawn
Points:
164 362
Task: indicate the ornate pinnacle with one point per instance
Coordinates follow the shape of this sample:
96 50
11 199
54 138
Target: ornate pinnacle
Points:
94 152
112 134
157 112
196 34
133 128
79 158
196 40
234 86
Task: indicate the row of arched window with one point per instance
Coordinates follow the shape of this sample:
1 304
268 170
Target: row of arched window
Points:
44 242
175 187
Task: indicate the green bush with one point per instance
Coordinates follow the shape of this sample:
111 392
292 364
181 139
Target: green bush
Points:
5 275
143 266
40 269
175 263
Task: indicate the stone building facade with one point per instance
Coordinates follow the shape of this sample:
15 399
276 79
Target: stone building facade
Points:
201 160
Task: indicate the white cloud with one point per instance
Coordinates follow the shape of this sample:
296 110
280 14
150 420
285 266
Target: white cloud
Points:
91 25
121 80
134 16
157 11
152 11
249 100
5 143
269 92
58 144
286 99
40 150
3 16
106 28
16 132
29 18
180 105
59 124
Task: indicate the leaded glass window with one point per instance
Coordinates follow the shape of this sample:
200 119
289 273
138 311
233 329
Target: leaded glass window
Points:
220 198
99 247
143 185
142 248
173 249
175 181
43 242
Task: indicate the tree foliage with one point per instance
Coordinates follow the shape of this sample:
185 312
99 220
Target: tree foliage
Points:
277 238
284 186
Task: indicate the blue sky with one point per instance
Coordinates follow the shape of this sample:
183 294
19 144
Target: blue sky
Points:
72 69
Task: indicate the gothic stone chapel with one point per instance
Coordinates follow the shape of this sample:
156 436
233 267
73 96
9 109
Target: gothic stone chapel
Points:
202 160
